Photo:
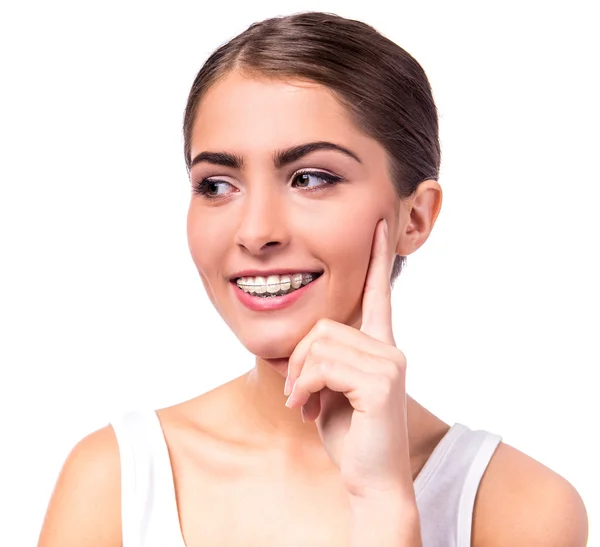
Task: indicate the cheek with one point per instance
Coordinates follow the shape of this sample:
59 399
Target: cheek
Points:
206 246
195 231
346 247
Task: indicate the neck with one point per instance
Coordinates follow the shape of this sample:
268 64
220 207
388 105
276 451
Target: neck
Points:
265 403
263 387
265 413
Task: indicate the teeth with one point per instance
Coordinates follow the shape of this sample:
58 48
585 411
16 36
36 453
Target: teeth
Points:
274 284
260 285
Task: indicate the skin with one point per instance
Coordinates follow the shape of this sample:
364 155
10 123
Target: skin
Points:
238 450
261 207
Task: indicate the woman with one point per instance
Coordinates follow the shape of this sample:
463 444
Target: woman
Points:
313 153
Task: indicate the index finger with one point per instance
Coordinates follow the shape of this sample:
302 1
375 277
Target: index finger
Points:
377 294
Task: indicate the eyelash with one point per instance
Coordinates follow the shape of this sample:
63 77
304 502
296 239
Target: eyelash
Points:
201 187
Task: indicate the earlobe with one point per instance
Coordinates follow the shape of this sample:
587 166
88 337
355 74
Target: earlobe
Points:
419 216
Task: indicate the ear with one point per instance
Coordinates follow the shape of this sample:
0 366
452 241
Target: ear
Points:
418 214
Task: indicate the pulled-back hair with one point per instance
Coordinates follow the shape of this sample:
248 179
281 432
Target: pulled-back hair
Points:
385 89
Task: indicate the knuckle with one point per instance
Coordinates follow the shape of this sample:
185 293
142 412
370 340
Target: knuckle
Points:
384 387
401 359
322 326
317 347
393 372
388 369
400 366
325 366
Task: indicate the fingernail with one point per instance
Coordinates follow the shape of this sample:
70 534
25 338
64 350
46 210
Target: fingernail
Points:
385 227
302 413
288 387
287 403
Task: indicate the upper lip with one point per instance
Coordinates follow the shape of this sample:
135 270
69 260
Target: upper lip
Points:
273 271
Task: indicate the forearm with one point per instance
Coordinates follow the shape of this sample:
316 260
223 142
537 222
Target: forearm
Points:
384 523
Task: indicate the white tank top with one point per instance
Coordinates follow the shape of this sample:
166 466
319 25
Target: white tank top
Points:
445 488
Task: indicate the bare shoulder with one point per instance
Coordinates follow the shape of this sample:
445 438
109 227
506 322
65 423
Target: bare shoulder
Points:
85 506
521 502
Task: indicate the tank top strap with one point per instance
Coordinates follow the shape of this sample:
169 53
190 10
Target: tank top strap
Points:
447 485
148 502
485 444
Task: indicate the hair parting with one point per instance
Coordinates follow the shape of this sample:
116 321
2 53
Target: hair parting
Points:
384 89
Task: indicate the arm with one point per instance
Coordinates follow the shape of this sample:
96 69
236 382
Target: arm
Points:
522 503
85 507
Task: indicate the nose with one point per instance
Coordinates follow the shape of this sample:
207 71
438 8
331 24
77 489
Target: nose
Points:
261 223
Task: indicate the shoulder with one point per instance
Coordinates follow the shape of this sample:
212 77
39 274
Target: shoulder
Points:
85 506
521 502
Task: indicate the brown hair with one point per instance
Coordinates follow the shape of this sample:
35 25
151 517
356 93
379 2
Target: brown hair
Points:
384 88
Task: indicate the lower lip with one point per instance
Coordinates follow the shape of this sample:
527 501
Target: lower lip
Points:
258 303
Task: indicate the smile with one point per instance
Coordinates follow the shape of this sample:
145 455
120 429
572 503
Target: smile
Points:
274 296
275 285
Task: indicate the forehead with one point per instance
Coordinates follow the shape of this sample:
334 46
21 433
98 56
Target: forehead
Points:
238 108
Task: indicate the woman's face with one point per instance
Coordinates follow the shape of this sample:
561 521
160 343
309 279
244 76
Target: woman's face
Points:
265 216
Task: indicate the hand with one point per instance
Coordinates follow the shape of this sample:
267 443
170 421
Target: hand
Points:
352 383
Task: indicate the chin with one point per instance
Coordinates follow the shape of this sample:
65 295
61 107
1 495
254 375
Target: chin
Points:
276 339
271 348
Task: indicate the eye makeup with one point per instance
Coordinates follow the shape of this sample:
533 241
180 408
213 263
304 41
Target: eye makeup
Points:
203 186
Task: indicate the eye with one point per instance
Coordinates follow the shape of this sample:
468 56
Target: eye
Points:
304 177
205 187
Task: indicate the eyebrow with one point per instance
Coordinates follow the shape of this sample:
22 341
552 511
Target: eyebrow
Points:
280 157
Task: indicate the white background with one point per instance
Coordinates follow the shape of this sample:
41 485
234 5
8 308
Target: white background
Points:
101 309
